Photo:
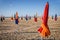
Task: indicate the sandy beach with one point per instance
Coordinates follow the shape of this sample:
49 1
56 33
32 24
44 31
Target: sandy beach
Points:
27 30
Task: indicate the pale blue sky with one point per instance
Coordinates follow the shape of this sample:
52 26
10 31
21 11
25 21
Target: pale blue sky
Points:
30 7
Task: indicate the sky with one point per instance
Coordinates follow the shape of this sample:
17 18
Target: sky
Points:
30 7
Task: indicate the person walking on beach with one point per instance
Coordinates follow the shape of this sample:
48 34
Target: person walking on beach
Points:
16 18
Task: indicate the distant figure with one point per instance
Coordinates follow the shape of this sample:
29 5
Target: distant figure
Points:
55 17
16 21
16 18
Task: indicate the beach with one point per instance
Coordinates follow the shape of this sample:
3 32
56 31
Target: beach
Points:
27 30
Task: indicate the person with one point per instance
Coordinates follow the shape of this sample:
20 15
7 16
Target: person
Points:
16 18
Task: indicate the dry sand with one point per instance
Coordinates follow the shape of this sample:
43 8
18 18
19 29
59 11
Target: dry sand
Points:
27 30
